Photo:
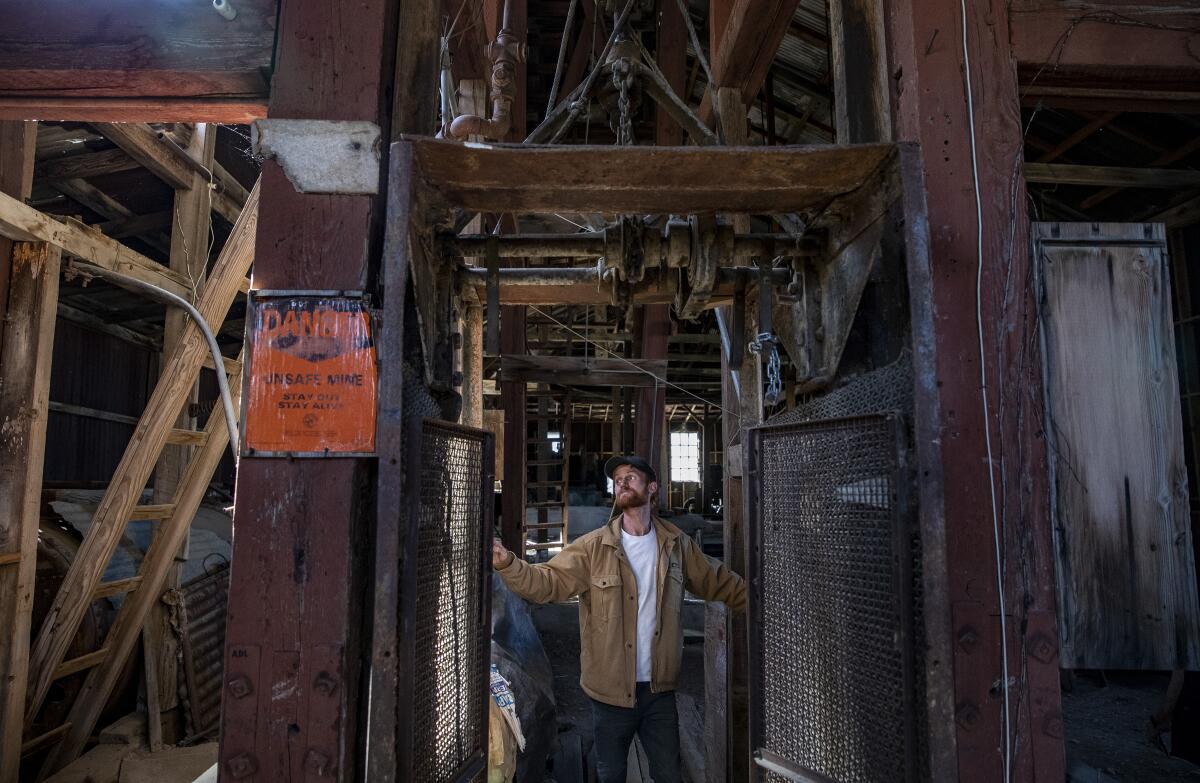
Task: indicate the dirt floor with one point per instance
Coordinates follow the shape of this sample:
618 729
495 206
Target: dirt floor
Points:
558 625
1106 725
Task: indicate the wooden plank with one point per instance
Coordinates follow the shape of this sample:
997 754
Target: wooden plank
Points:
118 587
1115 176
43 740
927 66
653 331
75 665
227 111
85 165
142 144
499 178
152 511
858 54
156 565
178 436
752 34
24 223
63 53
1126 573
1150 41
18 146
26 350
115 508
95 323
190 241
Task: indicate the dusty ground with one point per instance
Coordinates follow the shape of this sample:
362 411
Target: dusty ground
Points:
1106 722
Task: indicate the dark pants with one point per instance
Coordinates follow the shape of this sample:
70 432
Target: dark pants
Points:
654 719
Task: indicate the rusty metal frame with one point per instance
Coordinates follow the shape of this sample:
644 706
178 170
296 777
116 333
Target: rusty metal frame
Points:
903 522
405 719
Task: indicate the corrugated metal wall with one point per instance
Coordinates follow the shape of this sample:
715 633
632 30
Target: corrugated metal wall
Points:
98 371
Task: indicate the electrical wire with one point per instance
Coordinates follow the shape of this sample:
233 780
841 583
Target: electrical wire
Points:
617 356
983 391
163 295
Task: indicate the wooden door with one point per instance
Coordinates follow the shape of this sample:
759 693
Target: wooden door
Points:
1119 495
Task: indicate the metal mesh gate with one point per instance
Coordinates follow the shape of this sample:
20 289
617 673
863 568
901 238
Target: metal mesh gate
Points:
831 661
446 615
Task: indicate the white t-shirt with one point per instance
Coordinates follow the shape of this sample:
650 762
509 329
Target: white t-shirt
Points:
642 552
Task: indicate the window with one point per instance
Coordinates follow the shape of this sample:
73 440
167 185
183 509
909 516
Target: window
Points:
685 456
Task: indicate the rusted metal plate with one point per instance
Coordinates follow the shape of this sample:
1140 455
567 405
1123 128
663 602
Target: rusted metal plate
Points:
204 603
311 382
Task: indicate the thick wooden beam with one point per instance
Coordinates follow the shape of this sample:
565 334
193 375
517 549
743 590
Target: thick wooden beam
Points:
750 38
1111 176
85 165
26 224
66 60
966 711
25 354
1150 43
654 328
103 109
862 96
18 145
302 524
494 178
671 55
141 143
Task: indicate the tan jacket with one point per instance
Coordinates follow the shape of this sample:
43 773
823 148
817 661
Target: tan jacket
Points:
594 567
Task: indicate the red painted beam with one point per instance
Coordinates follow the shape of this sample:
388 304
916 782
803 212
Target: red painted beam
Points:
132 57
298 585
931 107
745 49
1060 43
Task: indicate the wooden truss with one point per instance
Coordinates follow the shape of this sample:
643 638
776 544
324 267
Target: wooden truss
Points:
43 240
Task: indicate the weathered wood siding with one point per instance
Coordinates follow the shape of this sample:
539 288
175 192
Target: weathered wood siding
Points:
1126 573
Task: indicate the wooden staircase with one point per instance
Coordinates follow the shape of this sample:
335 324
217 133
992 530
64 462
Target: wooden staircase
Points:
82 585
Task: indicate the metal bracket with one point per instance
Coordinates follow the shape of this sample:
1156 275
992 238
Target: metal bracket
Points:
323 156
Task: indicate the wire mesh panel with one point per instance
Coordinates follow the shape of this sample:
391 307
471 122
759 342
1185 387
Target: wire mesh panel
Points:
446 603
831 662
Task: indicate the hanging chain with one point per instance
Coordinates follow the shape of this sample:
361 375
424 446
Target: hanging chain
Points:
622 77
767 341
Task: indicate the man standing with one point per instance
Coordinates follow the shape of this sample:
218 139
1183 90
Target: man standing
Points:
630 576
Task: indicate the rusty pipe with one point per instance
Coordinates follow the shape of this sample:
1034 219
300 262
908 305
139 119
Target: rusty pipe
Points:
505 53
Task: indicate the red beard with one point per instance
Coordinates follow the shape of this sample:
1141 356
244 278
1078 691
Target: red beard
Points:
628 497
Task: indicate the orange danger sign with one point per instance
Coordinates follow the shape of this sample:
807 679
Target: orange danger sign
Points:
312 378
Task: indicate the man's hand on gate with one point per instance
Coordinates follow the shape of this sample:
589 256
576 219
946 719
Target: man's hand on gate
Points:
501 557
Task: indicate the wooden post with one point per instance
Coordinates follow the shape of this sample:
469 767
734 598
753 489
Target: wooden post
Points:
858 52
300 574
25 355
473 367
931 108
512 320
189 257
727 719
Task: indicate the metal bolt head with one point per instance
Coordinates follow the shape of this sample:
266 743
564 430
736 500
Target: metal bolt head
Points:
316 762
239 687
967 715
967 638
325 684
242 765
1043 649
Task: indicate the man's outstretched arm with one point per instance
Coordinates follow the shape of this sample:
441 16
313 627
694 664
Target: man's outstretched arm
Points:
566 574
711 579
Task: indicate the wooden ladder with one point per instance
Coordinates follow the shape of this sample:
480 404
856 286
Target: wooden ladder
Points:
119 506
547 474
